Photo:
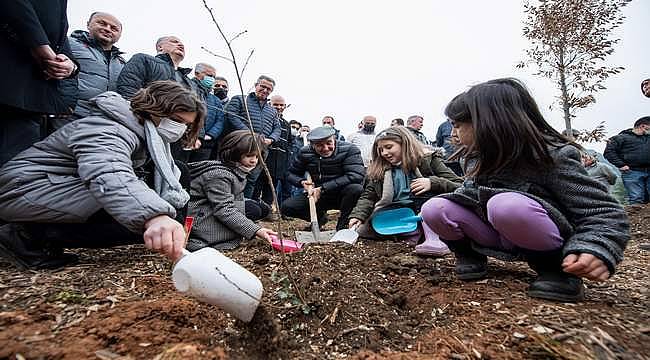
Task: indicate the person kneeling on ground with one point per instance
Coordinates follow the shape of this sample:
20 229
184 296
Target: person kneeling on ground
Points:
104 180
400 172
337 172
526 196
222 217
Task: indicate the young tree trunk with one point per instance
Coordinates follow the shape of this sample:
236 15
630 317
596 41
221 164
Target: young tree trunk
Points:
565 98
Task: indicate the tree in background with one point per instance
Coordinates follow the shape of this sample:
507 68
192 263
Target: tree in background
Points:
569 42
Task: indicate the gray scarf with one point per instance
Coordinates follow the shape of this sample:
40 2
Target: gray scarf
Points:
167 173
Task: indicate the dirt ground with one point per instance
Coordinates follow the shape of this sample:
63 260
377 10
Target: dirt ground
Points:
373 300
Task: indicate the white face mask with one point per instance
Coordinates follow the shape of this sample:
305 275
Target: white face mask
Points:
294 132
170 130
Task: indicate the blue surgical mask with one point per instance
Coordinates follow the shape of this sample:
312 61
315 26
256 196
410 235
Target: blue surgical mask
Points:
207 81
171 131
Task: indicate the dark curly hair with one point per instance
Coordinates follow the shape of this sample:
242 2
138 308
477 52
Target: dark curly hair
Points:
162 99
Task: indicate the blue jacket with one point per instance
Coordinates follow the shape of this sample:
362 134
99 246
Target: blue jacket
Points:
214 122
97 73
263 116
443 137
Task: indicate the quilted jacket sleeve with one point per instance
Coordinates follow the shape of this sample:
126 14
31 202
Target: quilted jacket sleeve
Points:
601 225
104 164
133 76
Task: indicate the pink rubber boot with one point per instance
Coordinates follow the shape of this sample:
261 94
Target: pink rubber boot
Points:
432 246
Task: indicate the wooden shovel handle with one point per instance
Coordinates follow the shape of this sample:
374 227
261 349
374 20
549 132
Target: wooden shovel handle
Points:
312 202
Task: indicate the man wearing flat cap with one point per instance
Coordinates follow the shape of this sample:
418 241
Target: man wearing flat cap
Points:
337 173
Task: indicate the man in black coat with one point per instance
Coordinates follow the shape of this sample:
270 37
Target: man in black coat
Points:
337 173
142 69
277 159
34 58
630 152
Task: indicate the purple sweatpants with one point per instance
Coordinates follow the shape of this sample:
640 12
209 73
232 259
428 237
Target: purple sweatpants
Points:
514 220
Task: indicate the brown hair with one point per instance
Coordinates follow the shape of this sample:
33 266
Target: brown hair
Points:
164 98
237 144
412 152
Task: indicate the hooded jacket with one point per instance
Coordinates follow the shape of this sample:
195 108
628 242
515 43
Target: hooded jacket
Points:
217 205
97 73
87 165
588 218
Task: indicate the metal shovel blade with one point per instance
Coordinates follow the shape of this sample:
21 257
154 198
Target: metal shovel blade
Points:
308 236
346 235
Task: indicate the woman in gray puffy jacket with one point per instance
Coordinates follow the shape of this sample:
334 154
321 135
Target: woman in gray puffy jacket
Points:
104 180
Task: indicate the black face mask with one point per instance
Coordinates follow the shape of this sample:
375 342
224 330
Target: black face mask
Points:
368 128
221 93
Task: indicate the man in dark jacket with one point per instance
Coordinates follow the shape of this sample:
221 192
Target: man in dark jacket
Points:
630 152
278 158
34 58
264 119
100 61
142 69
337 173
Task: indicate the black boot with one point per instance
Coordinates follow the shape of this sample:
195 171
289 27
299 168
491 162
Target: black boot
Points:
470 265
552 283
28 252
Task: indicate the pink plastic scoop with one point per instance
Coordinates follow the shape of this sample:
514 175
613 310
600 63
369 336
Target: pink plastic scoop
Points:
287 246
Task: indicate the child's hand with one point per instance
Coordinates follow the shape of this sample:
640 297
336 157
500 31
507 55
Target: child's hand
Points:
420 186
265 234
353 222
587 266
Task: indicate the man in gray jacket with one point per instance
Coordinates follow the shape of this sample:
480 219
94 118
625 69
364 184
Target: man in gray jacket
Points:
100 61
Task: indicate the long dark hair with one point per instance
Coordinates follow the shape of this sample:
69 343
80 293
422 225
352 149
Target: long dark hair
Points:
164 98
509 130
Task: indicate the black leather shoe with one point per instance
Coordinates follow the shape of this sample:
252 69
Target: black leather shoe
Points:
27 253
557 286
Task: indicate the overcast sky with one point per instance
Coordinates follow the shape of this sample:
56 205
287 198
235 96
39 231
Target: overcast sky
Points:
388 59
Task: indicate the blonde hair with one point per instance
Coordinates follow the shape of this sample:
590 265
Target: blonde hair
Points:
412 152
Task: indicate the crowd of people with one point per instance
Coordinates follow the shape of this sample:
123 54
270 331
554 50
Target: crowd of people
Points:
97 151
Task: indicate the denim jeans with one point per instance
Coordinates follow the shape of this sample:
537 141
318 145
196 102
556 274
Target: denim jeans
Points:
637 184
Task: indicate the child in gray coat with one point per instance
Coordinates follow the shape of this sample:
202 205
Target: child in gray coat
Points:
217 196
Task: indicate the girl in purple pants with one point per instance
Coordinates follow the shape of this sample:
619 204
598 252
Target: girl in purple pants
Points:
526 197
